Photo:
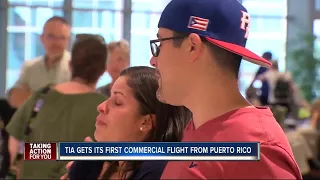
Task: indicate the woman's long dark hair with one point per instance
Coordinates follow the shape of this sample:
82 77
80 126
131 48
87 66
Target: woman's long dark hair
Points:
170 120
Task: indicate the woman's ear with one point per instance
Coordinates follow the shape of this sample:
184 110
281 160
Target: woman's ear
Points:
148 123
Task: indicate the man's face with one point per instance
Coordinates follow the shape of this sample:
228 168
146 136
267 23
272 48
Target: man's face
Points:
55 38
172 72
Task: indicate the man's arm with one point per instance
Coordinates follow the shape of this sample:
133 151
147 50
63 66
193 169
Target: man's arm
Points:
17 96
20 91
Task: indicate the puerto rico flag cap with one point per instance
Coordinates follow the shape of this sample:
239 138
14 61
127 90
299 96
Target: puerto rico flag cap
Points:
225 23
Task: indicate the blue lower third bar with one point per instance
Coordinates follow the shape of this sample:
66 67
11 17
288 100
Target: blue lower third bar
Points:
165 158
180 151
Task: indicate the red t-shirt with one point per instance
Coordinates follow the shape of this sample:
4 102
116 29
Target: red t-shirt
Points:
245 125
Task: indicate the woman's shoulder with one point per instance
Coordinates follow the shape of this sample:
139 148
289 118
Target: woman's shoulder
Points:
149 170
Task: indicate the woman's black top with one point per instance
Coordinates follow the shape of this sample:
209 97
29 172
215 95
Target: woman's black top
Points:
92 169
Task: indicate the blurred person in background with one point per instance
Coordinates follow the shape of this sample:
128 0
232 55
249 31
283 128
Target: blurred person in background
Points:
267 56
264 90
315 115
118 59
133 114
62 112
258 91
281 87
36 73
51 68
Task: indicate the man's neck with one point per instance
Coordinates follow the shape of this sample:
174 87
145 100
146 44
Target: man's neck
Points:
50 61
209 100
90 87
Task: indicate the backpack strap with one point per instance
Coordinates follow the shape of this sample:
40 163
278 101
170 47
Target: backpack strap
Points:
37 106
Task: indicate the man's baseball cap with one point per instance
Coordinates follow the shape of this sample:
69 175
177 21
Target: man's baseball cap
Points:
224 23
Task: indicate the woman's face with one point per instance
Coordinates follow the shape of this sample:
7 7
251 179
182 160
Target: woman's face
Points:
119 118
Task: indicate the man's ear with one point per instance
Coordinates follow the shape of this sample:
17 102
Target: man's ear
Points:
148 123
195 46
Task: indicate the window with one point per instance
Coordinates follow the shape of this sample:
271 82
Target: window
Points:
141 36
267 33
274 8
24 29
48 3
98 4
317 5
16 56
267 25
144 27
103 17
149 5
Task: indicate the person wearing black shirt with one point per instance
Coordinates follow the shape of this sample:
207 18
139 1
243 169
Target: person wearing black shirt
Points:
6 112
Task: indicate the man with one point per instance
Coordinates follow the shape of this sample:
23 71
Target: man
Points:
265 87
52 68
198 54
118 60
268 56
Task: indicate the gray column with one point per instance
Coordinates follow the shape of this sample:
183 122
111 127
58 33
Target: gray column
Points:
67 13
67 10
300 21
127 9
3 45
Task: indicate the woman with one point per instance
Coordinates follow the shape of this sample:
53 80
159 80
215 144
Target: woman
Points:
118 60
62 112
134 114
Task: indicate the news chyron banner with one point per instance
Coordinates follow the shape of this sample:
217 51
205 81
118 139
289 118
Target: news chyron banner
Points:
128 151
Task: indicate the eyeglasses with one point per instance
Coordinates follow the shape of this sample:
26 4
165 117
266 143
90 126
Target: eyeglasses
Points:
53 37
155 44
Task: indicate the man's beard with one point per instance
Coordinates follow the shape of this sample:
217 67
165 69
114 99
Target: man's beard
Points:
159 90
159 96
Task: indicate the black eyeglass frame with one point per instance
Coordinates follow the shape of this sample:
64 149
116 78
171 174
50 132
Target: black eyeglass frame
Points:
157 48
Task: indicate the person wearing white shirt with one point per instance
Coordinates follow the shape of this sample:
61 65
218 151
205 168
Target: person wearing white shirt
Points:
51 68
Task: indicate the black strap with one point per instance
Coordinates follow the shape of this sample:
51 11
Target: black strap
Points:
36 108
